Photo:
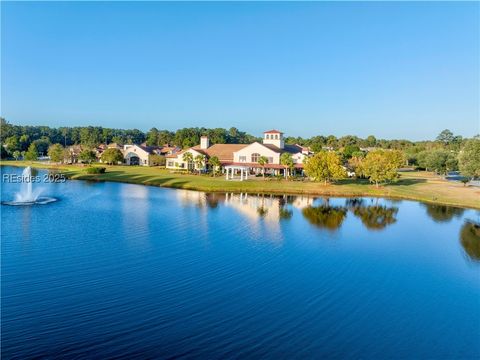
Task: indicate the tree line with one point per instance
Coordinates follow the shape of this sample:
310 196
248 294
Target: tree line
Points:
448 152
19 138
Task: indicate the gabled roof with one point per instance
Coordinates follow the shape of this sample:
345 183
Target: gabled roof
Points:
293 149
149 149
224 152
272 132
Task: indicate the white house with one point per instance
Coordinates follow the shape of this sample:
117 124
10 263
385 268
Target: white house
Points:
141 154
244 158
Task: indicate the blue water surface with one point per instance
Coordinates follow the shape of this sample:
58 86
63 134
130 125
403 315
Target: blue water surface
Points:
116 270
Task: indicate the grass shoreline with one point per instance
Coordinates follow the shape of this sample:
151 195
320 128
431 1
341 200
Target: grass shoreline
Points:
416 186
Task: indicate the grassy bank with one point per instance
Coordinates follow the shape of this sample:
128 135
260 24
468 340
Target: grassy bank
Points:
421 186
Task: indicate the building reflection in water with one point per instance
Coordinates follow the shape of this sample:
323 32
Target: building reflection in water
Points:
470 239
135 207
270 210
261 211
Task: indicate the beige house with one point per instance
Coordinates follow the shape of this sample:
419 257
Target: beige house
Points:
142 154
243 158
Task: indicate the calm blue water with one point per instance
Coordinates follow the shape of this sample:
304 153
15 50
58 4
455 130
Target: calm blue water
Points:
118 270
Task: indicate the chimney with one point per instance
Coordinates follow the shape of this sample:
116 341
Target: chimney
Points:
204 142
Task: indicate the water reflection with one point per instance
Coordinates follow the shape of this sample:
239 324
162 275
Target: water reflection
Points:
442 213
270 210
470 239
325 216
374 217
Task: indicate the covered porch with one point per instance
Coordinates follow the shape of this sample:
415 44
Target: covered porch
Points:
240 171
231 172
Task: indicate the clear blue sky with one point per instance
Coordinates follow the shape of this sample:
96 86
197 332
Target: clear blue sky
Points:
395 70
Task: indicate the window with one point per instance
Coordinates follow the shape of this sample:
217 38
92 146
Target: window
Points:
276 136
270 160
255 157
267 136
242 158
170 163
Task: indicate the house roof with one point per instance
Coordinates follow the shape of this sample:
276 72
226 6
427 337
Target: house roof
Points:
149 149
224 152
272 132
292 149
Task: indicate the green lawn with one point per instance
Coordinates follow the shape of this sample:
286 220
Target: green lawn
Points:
421 186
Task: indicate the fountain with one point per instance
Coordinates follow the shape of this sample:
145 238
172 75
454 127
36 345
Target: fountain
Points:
28 196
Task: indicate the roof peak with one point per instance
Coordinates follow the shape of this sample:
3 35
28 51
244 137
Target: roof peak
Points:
272 131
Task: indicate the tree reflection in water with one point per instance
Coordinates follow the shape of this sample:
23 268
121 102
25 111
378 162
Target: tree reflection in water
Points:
442 213
262 211
470 239
213 199
374 217
325 216
284 213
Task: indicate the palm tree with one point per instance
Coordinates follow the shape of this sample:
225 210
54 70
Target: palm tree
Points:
200 162
287 161
262 161
188 158
214 163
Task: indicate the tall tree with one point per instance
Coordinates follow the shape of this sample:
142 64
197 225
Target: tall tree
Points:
445 137
287 161
200 162
87 156
188 158
112 156
469 159
262 161
56 153
32 153
214 162
13 144
152 137
382 165
324 166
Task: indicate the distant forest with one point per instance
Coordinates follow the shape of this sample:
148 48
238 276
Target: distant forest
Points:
17 138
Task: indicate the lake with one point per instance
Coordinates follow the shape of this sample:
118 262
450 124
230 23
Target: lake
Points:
120 270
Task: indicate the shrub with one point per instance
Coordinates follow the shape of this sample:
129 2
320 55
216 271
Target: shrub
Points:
157 160
95 170
112 156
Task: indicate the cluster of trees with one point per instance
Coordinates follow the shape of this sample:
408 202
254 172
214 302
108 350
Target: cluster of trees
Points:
16 139
378 166
19 138
448 152
57 153
317 143
188 137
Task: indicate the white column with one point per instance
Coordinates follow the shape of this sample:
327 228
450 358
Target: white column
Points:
226 172
246 174
241 174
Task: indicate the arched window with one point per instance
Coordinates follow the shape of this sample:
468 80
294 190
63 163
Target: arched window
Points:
276 136
266 136
255 157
